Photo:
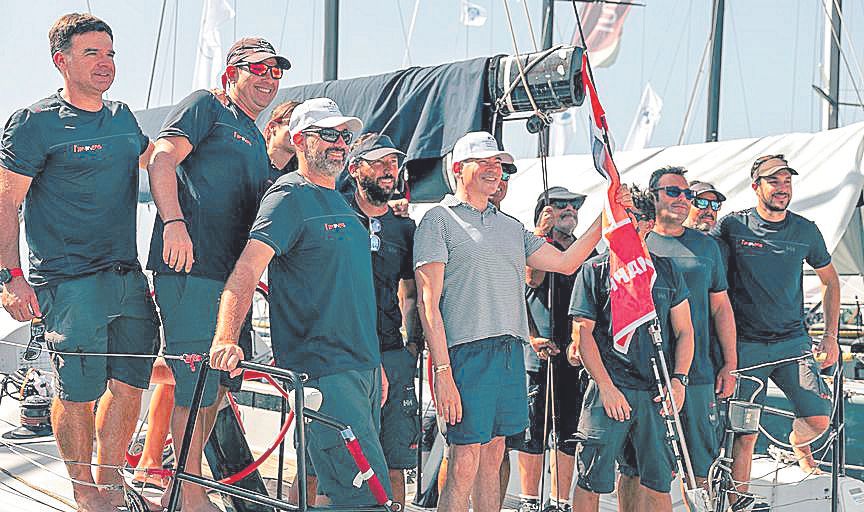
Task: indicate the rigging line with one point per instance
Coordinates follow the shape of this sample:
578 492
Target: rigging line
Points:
155 54
848 38
678 47
174 53
59 475
411 27
531 24
518 59
89 10
794 66
37 488
407 55
21 494
842 53
235 20
284 26
95 354
741 72
687 114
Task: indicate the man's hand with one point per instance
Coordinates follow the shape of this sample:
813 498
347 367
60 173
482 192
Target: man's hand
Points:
385 386
623 197
828 346
177 250
19 300
678 391
543 347
573 356
447 399
399 207
545 222
225 356
614 402
725 385
413 348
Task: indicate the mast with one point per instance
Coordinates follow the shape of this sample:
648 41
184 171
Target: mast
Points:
830 107
714 74
331 40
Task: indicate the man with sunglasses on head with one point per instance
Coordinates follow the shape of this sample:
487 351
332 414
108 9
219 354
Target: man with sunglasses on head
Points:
555 221
699 258
620 413
75 157
206 175
374 163
322 297
469 261
704 207
767 246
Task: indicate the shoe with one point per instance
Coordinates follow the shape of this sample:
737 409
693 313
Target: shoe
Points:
557 506
529 505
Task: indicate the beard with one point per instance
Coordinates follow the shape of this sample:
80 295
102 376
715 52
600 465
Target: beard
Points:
376 194
321 164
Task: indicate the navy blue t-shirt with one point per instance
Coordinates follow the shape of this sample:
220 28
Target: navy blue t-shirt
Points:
698 257
80 210
591 301
218 184
765 272
390 264
322 302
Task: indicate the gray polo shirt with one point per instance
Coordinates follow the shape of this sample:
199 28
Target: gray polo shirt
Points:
484 257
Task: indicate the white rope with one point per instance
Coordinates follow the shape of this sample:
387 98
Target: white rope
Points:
14 449
518 60
62 353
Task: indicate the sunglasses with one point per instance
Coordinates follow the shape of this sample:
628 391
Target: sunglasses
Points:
673 191
260 69
331 135
562 203
639 216
702 203
374 239
505 176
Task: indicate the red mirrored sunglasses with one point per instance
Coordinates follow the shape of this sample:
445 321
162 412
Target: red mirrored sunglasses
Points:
260 69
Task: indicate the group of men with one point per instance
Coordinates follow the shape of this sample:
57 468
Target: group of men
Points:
346 273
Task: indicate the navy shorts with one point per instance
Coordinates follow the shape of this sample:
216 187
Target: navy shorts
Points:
490 377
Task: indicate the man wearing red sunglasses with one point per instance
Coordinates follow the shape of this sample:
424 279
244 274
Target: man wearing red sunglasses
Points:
207 172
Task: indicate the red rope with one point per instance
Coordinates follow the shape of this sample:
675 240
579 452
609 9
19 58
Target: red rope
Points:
252 467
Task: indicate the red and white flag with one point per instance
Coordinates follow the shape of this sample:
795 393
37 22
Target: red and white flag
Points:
603 24
631 272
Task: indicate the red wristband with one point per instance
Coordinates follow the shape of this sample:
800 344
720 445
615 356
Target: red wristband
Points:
16 272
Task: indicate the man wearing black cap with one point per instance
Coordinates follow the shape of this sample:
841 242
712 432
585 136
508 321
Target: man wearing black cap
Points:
206 175
705 206
767 245
554 221
374 164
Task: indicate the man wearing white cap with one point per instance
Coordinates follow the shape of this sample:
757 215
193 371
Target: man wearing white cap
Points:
322 301
469 262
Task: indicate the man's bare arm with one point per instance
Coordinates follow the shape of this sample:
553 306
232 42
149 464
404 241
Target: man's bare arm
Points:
18 297
831 308
144 159
550 259
410 313
724 325
614 402
682 329
235 302
177 250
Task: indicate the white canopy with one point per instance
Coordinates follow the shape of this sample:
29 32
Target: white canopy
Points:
827 190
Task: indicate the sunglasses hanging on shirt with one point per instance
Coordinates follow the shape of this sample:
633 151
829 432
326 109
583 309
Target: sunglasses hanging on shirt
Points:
374 229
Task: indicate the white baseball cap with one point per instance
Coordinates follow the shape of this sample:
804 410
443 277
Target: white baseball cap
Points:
478 145
320 112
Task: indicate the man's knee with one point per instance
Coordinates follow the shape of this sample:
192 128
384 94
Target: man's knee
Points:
811 426
122 390
746 441
463 462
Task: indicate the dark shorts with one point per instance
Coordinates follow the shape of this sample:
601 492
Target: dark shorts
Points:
400 418
189 306
490 377
800 381
570 383
700 419
352 397
602 443
106 312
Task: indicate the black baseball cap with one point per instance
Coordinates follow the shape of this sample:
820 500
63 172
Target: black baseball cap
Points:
251 50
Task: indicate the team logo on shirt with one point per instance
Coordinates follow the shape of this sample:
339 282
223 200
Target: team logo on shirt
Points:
751 243
334 226
78 148
241 138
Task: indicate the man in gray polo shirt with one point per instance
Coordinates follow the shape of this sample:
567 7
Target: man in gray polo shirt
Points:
469 261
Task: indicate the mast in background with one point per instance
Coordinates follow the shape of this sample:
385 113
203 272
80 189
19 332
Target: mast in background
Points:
713 118
331 40
831 56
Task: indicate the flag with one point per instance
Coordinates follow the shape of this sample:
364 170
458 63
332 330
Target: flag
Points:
603 24
647 117
472 15
631 272
208 59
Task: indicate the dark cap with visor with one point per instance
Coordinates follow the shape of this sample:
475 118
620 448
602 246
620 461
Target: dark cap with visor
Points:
251 50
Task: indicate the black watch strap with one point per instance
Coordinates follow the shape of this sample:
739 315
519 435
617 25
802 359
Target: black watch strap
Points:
682 377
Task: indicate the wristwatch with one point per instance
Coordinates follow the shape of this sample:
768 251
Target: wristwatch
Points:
682 377
6 274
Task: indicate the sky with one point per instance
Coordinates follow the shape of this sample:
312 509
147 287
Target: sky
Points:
771 55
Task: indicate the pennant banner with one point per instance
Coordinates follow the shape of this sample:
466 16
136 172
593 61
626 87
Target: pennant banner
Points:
472 15
603 24
209 58
631 272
